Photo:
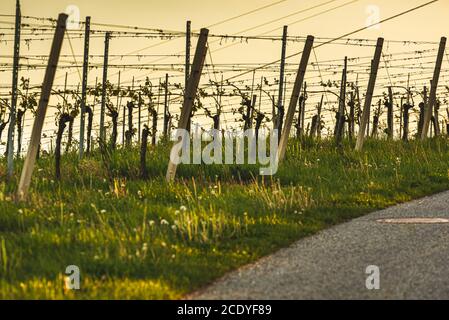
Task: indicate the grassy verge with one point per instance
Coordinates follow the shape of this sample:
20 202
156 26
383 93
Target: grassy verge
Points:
150 240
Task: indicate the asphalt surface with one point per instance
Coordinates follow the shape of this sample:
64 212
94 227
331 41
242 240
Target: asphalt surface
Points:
413 261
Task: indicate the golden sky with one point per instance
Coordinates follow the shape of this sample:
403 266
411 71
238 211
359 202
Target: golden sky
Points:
427 24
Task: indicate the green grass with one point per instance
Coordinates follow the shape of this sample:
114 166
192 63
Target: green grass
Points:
135 239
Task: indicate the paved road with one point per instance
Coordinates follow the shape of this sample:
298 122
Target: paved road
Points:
413 261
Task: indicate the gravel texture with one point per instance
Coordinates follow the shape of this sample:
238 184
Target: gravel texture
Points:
413 260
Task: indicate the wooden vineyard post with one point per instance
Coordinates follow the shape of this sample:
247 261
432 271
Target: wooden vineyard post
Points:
341 104
295 97
433 90
436 118
36 132
139 120
405 115
165 126
376 119
251 113
390 118
422 109
188 45
280 104
303 110
316 121
15 78
84 86
369 95
351 126
143 151
403 107
103 92
191 90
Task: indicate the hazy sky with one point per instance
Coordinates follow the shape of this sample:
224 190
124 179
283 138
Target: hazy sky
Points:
426 24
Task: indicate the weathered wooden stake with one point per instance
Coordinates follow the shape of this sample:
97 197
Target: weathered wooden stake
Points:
369 94
401 109
390 117
191 90
376 119
139 122
351 129
35 139
294 99
143 152
433 90
154 127
117 108
303 109
165 127
188 45
422 112
84 85
342 104
316 121
15 79
125 139
251 113
405 110
103 92
401 116
280 105
436 118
